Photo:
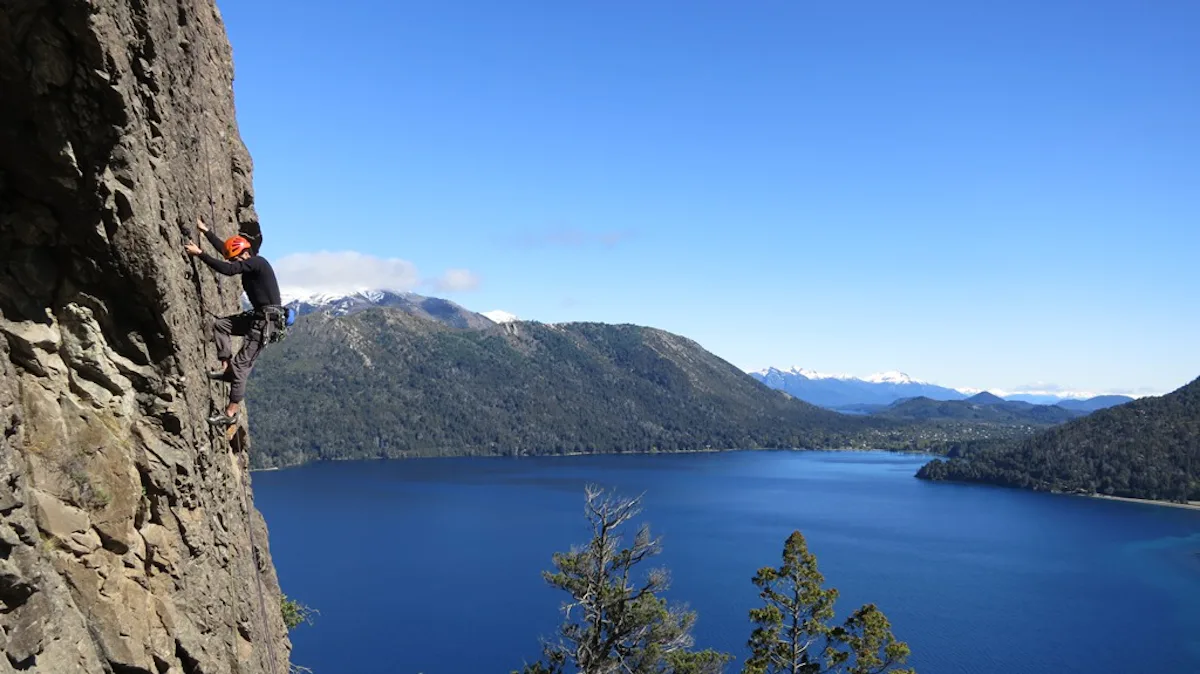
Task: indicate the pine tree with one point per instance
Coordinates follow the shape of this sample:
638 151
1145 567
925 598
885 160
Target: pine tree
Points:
795 614
792 633
614 624
865 645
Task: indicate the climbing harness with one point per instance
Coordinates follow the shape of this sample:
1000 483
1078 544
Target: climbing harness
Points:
280 318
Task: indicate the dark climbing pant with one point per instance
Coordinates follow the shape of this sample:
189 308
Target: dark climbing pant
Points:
255 330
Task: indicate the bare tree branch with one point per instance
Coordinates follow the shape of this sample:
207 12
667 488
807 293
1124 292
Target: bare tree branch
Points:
613 622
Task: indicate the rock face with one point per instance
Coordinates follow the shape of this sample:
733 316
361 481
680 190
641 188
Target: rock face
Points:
129 541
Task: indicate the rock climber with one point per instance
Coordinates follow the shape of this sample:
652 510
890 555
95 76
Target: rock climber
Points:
256 326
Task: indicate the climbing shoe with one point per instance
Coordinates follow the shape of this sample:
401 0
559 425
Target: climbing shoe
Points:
222 420
223 375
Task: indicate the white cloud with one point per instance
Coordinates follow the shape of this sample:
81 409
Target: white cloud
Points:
1053 390
1050 389
456 280
344 272
1041 387
499 316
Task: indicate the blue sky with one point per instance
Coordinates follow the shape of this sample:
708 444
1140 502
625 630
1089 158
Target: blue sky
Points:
978 194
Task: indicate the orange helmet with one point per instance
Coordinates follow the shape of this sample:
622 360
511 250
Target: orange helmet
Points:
235 245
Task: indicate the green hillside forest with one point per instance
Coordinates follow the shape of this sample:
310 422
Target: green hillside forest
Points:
1149 449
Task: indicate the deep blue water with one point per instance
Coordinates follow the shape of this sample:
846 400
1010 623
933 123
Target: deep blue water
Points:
434 566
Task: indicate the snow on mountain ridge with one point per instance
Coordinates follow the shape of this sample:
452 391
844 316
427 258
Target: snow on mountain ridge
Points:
892 377
837 391
322 299
882 382
813 374
345 304
889 377
499 316
808 374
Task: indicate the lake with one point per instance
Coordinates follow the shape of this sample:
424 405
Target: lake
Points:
433 566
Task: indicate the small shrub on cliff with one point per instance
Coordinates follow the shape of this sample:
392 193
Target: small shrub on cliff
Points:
295 613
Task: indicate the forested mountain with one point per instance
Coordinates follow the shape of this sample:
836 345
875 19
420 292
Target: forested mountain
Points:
985 398
1148 448
388 382
983 407
1093 404
385 382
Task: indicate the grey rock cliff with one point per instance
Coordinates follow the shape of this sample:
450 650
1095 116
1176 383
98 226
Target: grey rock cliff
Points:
129 541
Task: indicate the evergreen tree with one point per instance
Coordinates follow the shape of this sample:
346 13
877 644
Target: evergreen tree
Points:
794 616
865 645
614 624
792 633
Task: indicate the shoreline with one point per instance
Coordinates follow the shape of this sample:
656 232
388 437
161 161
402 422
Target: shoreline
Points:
1190 505
706 450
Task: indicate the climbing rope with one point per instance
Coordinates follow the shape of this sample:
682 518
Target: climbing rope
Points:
200 241
262 602
212 208
245 495
262 605
212 217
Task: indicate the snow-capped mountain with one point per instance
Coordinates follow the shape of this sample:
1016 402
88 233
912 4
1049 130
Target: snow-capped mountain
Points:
884 388
842 390
433 308
498 316
893 377
811 374
338 304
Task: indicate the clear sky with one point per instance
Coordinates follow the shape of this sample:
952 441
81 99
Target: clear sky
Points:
985 194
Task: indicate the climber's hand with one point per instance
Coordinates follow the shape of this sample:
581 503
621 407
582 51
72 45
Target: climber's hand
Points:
200 225
192 248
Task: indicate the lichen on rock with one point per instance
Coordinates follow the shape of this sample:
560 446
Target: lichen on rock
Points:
126 522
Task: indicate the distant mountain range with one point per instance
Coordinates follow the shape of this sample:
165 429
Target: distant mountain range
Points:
981 407
1091 404
869 395
836 391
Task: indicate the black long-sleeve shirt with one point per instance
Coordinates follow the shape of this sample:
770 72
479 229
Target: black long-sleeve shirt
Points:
258 278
